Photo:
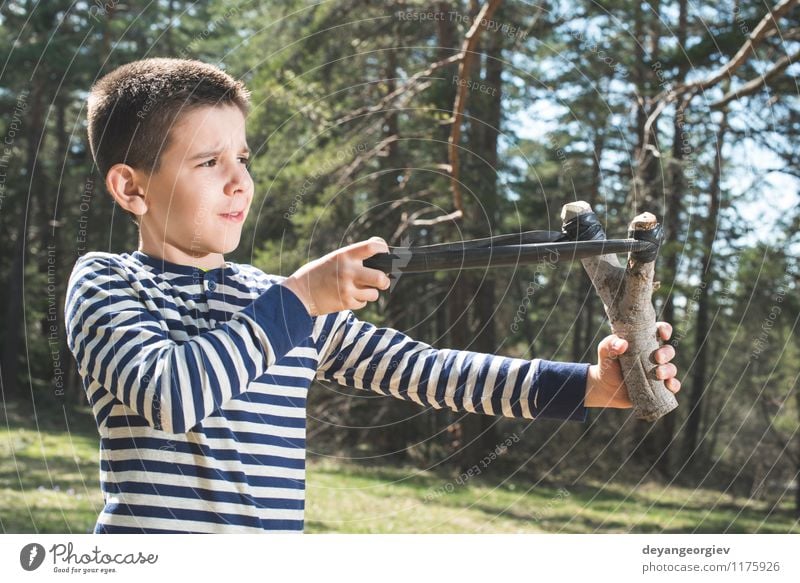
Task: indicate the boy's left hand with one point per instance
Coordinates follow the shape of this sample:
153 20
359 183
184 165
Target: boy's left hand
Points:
604 385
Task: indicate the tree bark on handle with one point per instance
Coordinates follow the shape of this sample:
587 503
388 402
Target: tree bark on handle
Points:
626 293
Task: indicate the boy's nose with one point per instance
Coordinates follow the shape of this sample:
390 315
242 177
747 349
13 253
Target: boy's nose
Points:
239 181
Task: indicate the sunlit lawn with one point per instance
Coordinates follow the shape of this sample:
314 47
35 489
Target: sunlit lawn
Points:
49 484
48 479
357 499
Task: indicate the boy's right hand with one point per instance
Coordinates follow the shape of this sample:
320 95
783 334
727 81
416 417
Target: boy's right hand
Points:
339 281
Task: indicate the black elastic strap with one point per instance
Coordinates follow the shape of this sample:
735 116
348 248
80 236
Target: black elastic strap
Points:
581 237
523 238
408 260
654 236
585 227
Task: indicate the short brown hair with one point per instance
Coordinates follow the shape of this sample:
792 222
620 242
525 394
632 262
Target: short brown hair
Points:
130 107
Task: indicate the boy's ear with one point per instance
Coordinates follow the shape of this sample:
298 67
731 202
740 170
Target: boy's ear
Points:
123 183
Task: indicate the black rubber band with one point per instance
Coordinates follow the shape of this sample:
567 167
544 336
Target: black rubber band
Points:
654 236
585 227
402 260
581 237
523 238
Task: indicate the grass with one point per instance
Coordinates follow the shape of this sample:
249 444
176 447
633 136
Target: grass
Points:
48 477
344 498
49 484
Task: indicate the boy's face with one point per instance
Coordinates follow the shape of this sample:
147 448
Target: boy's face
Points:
199 198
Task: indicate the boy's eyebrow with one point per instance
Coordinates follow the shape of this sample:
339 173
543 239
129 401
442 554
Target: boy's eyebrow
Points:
216 152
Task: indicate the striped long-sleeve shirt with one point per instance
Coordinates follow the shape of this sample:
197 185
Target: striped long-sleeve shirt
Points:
198 382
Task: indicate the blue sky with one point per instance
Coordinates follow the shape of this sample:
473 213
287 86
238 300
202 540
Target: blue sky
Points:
768 195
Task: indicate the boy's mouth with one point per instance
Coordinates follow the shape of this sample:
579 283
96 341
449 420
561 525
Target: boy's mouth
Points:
236 217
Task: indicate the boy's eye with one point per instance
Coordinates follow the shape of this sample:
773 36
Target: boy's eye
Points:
213 162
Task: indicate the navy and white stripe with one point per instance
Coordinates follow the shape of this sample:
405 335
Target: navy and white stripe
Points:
198 382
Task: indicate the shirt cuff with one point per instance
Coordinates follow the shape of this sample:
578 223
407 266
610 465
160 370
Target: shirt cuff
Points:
560 390
283 317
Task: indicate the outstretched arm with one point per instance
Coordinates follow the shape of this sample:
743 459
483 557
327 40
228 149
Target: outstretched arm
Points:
358 354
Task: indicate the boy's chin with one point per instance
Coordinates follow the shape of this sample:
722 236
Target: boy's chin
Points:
228 246
222 249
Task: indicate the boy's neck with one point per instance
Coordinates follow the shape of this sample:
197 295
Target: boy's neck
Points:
174 254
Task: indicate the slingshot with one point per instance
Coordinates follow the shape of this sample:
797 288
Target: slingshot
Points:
581 237
626 292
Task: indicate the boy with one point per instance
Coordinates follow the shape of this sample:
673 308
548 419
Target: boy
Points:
197 369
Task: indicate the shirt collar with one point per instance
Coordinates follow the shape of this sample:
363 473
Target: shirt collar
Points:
164 266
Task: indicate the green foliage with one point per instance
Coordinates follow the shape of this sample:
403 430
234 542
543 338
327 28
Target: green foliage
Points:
336 160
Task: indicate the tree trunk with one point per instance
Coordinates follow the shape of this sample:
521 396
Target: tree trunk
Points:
479 430
797 473
657 451
698 385
401 311
15 292
585 302
644 195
